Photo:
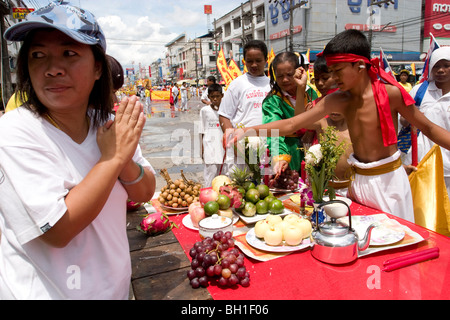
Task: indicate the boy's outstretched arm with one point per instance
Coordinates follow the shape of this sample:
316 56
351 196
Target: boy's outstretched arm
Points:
277 128
436 133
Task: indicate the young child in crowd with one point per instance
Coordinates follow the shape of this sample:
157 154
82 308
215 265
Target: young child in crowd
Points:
211 135
404 75
371 109
324 81
242 101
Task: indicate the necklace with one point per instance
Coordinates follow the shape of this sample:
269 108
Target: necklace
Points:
53 122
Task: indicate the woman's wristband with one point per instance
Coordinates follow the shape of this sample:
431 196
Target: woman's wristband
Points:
284 157
141 175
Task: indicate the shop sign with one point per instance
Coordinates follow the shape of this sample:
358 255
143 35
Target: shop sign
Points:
355 5
437 19
21 13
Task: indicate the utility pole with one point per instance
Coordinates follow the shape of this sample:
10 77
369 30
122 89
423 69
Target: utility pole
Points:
216 48
7 89
377 3
242 24
292 7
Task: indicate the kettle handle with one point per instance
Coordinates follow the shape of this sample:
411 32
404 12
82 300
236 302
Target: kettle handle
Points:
336 201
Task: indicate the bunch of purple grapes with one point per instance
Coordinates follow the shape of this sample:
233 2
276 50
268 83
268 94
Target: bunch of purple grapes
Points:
216 259
287 180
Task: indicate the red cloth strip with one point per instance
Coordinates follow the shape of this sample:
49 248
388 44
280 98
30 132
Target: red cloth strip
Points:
379 92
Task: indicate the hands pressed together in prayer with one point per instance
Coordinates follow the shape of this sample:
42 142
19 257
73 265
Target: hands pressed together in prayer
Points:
118 139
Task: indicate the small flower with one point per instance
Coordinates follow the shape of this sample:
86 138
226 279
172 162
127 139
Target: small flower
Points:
253 143
314 155
306 194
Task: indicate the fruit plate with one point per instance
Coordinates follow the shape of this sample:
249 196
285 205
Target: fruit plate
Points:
261 245
174 209
257 217
277 190
187 222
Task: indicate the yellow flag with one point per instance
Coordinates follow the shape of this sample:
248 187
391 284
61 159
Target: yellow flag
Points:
430 197
413 69
223 68
245 66
270 57
234 70
308 73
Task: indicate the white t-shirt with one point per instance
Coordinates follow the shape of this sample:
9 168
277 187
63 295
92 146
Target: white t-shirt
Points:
39 164
175 92
183 92
212 136
242 102
436 107
205 95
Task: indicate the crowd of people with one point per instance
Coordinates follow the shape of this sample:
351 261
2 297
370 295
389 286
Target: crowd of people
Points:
371 110
68 165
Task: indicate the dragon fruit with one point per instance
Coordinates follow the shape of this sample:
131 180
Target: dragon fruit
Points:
133 206
234 195
156 223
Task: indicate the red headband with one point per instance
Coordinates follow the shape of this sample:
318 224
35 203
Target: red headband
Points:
344 57
379 91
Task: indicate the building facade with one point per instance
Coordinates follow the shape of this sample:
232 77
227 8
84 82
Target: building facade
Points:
394 26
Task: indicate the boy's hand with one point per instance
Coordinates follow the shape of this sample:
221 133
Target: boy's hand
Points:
409 169
232 136
301 77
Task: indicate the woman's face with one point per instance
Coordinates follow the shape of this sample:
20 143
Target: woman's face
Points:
255 62
62 71
441 71
284 74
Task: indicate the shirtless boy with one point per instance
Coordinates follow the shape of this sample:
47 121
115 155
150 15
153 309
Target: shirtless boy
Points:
380 180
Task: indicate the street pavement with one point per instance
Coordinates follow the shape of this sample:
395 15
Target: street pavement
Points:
170 140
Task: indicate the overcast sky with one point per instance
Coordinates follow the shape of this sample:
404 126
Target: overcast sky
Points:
137 30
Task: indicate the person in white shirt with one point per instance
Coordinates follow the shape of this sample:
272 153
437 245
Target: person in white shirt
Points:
175 92
184 97
67 166
209 81
242 102
435 105
212 150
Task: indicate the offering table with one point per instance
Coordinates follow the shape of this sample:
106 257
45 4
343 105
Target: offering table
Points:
160 265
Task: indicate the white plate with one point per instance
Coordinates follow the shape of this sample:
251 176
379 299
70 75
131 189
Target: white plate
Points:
187 222
257 217
261 245
386 232
383 236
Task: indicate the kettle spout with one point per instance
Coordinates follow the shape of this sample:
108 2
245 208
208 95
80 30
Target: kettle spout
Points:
363 244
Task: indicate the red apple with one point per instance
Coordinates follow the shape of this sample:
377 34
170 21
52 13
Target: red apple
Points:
207 195
196 212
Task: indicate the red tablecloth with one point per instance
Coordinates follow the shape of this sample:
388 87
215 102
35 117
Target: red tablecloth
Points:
300 276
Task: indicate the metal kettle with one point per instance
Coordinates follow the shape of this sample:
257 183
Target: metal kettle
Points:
337 243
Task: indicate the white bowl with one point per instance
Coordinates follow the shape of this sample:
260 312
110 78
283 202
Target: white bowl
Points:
210 225
336 210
